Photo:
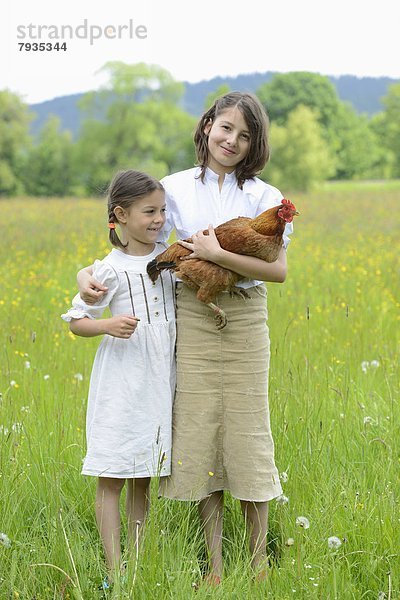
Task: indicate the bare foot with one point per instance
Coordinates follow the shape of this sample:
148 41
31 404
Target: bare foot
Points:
262 574
212 579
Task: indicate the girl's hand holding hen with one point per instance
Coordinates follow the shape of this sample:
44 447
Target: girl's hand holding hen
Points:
206 247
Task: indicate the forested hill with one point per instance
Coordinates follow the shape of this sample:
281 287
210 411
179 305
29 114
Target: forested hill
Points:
363 93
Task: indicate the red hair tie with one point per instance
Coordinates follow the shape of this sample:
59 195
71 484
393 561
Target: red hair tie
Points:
111 225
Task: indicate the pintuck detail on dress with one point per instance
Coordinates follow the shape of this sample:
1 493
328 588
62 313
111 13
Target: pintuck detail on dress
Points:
128 425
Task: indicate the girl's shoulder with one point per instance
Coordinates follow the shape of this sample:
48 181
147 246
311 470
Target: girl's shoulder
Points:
260 189
180 180
106 268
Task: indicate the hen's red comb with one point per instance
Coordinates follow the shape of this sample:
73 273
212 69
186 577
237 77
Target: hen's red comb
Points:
288 203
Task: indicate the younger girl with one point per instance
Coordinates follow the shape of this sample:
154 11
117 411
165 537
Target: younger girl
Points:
132 381
222 439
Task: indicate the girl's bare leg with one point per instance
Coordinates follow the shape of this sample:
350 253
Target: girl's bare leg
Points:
256 517
137 506
211 516
108 518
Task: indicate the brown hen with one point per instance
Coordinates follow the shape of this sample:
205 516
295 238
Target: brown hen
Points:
261 237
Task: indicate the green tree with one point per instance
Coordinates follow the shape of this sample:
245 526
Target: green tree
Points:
14 140
212 96
300 157
358 151
286 91
144 127
49 166
387 127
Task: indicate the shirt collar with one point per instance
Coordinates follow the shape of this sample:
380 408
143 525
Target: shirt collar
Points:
212 176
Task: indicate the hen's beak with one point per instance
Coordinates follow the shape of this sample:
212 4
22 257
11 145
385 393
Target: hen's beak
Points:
296 212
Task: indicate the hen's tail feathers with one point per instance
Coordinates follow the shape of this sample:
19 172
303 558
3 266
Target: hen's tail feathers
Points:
153 268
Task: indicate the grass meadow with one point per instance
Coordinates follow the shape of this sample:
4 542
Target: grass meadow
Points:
334 401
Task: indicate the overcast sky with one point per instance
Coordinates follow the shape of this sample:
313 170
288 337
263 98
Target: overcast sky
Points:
195 40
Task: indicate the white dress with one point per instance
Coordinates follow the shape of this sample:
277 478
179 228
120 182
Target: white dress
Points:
128 424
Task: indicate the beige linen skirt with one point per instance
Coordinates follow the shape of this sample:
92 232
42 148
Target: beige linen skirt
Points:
221 436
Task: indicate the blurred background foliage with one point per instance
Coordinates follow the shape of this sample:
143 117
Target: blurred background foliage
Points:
137 121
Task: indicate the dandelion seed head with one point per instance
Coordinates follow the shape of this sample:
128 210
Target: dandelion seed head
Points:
78 376
27 364
289 542
282 499
334 542
46 377
365 366
303 522
5 540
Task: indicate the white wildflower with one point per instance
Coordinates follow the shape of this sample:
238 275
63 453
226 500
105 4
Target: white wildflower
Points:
289 542
27 364
46 377
25 409
382 596
334 542
78 376
368 420
3 430
365 366
282 499
284 477
17 427
5 540
13 383
303 522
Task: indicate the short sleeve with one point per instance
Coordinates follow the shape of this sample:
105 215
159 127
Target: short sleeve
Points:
105 274
272 197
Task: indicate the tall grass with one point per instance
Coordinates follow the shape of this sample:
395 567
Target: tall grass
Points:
334 400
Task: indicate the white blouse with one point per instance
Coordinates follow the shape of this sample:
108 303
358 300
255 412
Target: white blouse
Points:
193 205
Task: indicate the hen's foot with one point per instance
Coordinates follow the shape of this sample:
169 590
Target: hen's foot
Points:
220 315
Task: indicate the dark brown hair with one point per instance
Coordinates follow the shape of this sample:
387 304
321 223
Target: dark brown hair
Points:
125 188
256 120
